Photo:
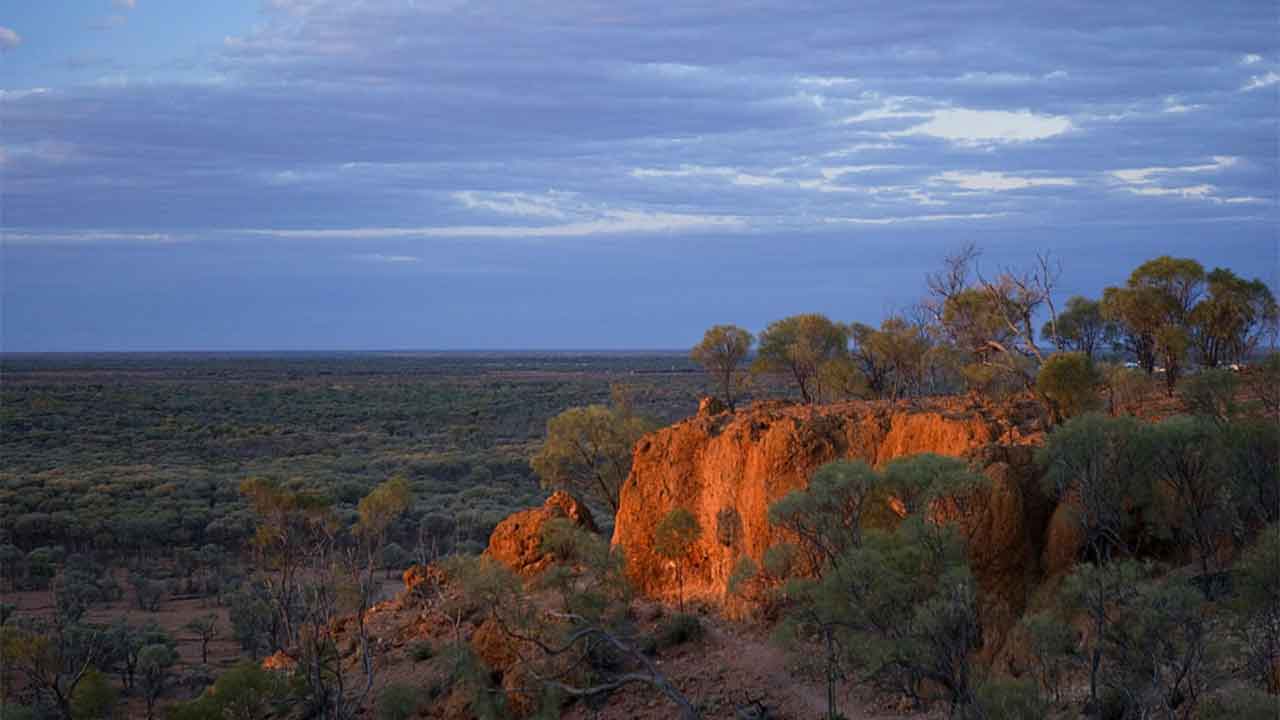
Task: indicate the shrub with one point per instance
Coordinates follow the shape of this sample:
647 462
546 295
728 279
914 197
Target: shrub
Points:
1127 389
1210 393
678 630
421 651
397 702
1264 382
93 698
1012 700
1242 704
1070 383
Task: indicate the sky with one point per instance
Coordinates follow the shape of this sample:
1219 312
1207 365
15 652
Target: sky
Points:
482 174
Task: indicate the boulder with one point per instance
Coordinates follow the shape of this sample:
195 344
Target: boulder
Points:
517 541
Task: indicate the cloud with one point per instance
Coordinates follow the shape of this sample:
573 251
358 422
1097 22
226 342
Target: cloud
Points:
386 259
1163 182
1144 176
990 126
548 205
732 175
1261 81
125 4
88 237
610 222
9 39
1251 59
941 217
988 180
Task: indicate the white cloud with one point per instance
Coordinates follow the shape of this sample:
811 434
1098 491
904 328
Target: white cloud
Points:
1261 81
125 4
1173 105
966 126
943 217
1251 59
988 180
9 39
1007 78
1191 191
1156 182
549 205
1143 176
890 108
386 259
826 81
609 222
733 175
20 94
86 237
831 173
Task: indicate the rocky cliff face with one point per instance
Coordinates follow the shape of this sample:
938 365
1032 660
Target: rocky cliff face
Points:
729 468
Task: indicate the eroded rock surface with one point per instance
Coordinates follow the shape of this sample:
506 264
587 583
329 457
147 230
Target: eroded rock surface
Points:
729 468
517 541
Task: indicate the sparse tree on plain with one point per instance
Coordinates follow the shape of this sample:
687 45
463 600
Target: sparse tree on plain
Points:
799 346
721 352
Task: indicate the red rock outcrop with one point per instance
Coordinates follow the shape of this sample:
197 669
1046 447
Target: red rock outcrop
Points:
728 469
517 541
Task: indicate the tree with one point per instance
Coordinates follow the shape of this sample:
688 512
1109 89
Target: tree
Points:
1154 312
376 512
1253 453
992 321
1070 383
53 660
1231 321
673 539
1210 393
395 558
901 604
915 482
587 650
1101 592
94 698
1096 464
825 518
205 628
722 350
892 359
1264 382
1081 327
1256 608
1053 648
799 345
1137 315
1185 456
588 451
1158 650
245 692
290 525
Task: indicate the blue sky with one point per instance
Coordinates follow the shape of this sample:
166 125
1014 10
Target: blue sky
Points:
306 174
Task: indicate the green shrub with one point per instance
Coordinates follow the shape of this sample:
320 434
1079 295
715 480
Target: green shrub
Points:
1009 699
421 651
94 697
1242 704
1070 383
677 630
16 712
1210 393
397 702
